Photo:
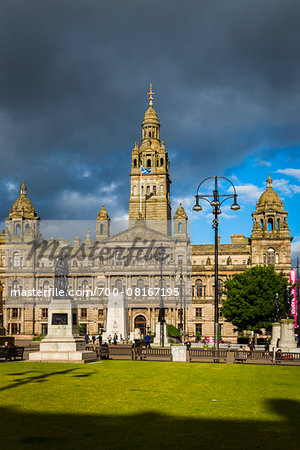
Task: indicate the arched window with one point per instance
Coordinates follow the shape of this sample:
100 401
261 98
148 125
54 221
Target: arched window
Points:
85 285
262 224
163 283
140 257
270 224
16 259
101 228
198 288
180 227
220 287
15 284
161 161
134 190
278 224
15 288
118 258
140 283
18 229
148 190
140 322
26 227
148 162
154 190
135 163
271 256
161 189
46 288
277 258
119 285
142 190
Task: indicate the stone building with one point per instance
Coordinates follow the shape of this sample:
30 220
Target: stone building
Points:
127 262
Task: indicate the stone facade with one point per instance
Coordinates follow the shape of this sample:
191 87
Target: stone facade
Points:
132 267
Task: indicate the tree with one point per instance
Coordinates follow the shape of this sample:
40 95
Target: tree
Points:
250 301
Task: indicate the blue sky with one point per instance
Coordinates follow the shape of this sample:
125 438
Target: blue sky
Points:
73 83
249 177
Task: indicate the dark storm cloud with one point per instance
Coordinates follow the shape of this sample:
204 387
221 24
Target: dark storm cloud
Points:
74 76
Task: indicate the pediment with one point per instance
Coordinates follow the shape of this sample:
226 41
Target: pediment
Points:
139 232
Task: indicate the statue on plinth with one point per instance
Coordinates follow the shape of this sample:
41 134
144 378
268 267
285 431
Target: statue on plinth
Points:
61 277
287 303
277 309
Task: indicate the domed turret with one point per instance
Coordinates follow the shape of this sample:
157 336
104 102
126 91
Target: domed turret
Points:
22 207
150 123
180 212
103 214
270 236
102 224
269 198
180 223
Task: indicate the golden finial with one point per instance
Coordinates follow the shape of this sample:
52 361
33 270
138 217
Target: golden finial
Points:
269 180
23 190
151 95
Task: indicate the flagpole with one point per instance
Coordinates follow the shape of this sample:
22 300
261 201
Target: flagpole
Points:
141 192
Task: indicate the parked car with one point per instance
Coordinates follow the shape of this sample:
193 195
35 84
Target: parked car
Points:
210 340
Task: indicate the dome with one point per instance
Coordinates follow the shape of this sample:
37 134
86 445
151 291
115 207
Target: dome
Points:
270 197
150 116
103 214
23 207
180 213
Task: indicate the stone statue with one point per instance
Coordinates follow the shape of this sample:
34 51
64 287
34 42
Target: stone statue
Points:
287 303
61 277
277 309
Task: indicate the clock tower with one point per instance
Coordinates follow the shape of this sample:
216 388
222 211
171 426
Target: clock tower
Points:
150 180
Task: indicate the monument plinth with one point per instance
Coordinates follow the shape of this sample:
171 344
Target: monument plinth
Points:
287 335
275 334
62 343
156 340
117 317
179 353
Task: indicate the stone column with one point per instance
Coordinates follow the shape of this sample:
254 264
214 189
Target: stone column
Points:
287 335
275 334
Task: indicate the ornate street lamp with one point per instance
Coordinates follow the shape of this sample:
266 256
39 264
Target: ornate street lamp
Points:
161 319
215 200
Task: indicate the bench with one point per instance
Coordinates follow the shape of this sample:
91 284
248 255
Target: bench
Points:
241 356
12 352
124 352
199 355
287 358
153 354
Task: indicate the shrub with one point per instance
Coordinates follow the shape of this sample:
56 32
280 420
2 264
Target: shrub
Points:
38 337
173 331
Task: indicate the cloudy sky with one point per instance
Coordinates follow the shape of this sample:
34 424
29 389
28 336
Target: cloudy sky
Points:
73 82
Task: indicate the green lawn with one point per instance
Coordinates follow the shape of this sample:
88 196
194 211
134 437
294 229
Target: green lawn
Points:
149 405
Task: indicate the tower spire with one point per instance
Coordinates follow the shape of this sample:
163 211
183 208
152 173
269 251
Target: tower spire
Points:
269 181
23 190
151 95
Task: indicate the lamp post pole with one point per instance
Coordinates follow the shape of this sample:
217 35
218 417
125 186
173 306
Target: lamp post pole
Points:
161 303
215 201
216 228
181 311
